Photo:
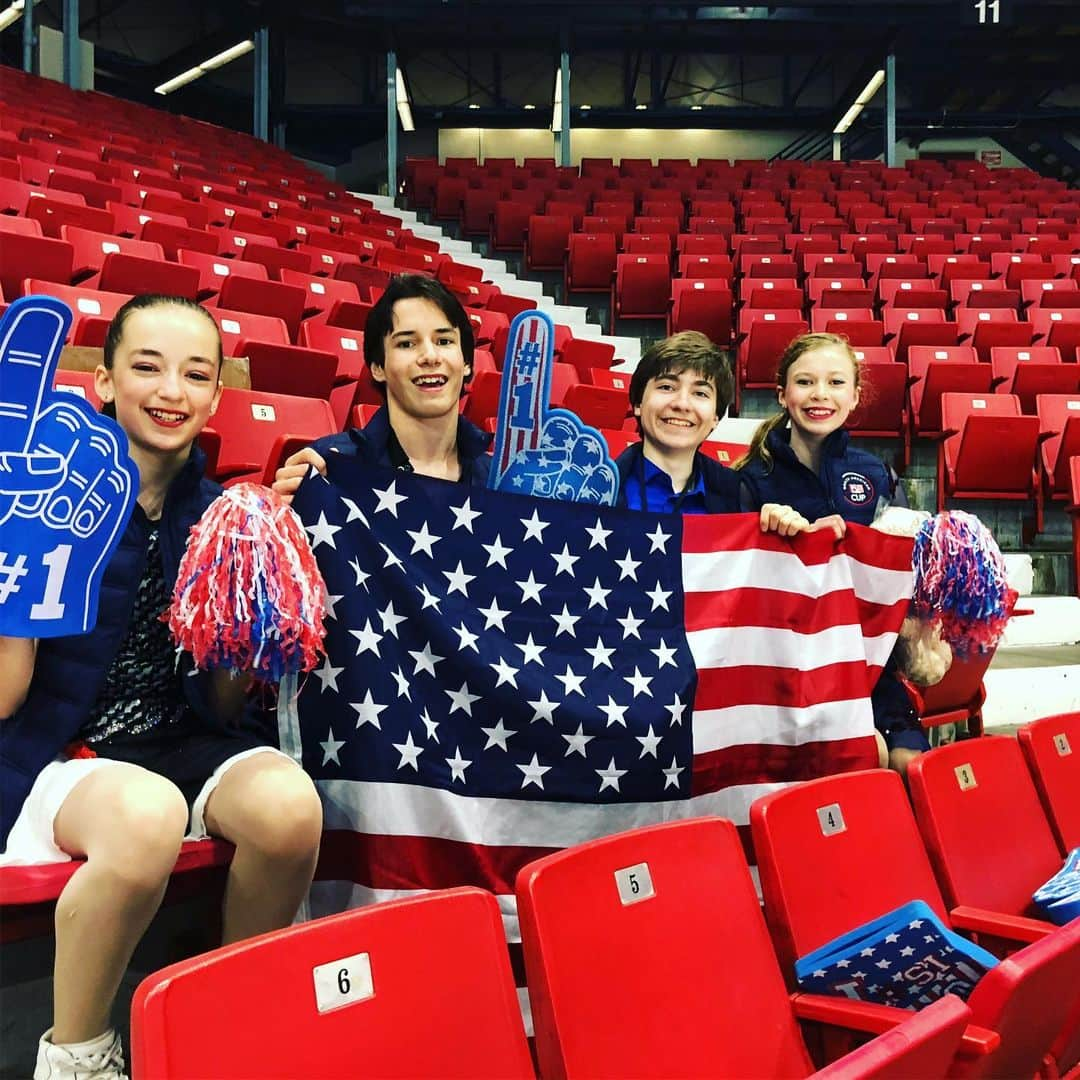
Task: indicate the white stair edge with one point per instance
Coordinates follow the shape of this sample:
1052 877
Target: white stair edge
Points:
1010 700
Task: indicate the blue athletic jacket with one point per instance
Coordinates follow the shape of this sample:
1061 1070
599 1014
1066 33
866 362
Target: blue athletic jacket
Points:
69 671
376 444
851 482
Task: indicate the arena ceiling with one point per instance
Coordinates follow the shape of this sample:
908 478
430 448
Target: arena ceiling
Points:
973 63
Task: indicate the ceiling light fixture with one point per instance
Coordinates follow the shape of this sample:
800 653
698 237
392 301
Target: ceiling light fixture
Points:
241 48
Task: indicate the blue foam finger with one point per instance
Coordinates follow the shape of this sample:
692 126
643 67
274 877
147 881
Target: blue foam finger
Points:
70 484
32 334
539 450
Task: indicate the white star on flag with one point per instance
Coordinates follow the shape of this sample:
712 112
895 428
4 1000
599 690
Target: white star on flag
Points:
367 639
598 535
464 516
467 639
609 777
389 499
367 711
328 674
615 713
497 735
409 752
597 595
659 598
458 580
649 742
576 743
534 773
461 699
531 652
534 527
497 552
564 561
531 589
457 763
331 747
423 540
659 540
505 672
322 532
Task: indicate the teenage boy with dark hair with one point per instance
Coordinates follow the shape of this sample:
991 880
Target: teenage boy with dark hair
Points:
679 391
418 345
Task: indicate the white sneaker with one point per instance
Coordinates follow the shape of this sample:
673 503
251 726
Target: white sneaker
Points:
99 1059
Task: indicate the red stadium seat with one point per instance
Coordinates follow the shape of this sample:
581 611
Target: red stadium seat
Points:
882 411
703 305
78 382
933 371
21 226
1050 747
975 797
986 329
41 258
1035 370
92 310
988 452
53 215
213 270
1059 427
173 237
920 327
819 883
289 369
593 953
641 288
346 345
320 292
91 249
586 355
121 272
600 406
1059 328
249 423
271 298
546 242
25 889
237 326
509 224
369 987
279 259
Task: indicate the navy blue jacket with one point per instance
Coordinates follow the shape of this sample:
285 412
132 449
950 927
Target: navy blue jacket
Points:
69 671
376 444
851 482
723 486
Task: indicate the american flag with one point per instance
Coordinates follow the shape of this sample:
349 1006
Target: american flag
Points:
507 676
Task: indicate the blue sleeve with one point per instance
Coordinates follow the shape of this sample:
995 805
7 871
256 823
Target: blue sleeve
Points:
895 716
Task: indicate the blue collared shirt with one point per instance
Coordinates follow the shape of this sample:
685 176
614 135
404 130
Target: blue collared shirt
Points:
660 496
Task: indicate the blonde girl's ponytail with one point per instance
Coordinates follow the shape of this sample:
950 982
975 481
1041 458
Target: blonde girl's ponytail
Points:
759 450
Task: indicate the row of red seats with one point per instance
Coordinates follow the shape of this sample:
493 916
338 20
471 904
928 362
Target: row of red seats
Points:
422 179
646 953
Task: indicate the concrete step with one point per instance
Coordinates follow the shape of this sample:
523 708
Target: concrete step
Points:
1054 622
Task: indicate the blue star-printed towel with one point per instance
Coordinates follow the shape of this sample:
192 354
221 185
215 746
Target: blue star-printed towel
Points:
906 958
1059 898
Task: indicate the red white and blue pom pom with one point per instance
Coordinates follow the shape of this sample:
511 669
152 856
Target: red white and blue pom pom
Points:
249 596
960 582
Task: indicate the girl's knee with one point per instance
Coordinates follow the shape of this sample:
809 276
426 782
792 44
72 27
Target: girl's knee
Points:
147 820
289 825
